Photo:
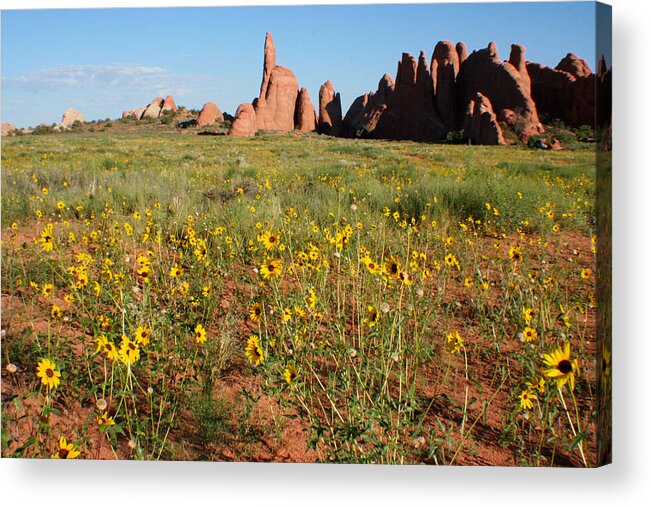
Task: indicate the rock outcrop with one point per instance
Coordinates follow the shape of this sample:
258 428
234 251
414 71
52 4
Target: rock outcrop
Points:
70 117
559 94
7 128
480 125
365 111
444 70
168 104
330 121
134 113
153 109
501 83
516 58
244 124
574 65
411 114
305 118
276 105
209 114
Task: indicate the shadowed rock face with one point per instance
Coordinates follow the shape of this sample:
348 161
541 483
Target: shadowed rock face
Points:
516 58
503 86
244 123
559 94
168 104
444 70
209 114
462 52
305 119
153 109
330 121
366 110
480 125
411 113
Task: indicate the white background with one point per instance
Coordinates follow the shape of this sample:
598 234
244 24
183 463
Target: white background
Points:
626 482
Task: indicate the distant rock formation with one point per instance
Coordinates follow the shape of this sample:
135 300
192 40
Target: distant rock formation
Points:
209 114
70 116
444 70
330 120
153 109
136 114
480 125
168 104
245 123
365 112
305 119
276 105
574 65
411 113
7 128
502 84
516 58
560 94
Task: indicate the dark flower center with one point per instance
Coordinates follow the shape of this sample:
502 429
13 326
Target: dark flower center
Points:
565 366
49 372
63 453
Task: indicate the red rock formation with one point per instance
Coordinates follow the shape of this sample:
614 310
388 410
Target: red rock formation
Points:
153 109
444 70
411 114
561 95
275 107
365 111
168 104
480 123
517 59
462 52
209 114
574 65
244 123
330 121
306 119
7 128
604 93
269 63
502 84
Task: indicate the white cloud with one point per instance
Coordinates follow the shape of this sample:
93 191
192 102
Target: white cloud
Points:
123 77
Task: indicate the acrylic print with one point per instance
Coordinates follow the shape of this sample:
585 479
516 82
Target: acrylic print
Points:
317 234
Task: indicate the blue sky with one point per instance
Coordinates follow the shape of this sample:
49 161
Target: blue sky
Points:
103 61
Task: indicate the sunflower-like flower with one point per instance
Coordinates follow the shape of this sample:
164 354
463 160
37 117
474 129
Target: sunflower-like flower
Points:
105 345
271 268
561 367
255 312
48 373
270 240
129 352
47 238
290 374
372 316
143 333
515 254
176 271
392 266
200 333
527 314
65 450
105 421
526 398
372 267
530 334
455 342
254 351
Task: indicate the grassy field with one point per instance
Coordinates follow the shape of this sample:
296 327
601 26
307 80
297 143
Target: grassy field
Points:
297 298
